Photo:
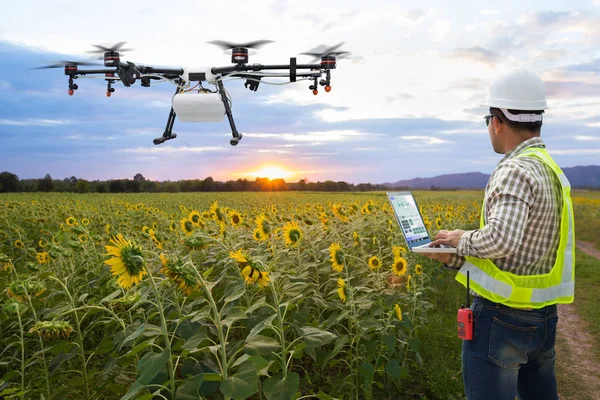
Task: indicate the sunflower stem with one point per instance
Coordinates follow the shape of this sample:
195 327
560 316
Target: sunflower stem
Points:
43 352
22 343
280 323
79 335
163 323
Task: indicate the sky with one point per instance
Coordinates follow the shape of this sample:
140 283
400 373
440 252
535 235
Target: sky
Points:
406 103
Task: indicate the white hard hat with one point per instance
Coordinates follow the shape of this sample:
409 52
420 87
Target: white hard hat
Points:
517 89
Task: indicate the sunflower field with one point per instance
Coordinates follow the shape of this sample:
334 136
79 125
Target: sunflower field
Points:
216 295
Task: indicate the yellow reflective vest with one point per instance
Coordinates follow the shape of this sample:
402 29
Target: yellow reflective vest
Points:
530 291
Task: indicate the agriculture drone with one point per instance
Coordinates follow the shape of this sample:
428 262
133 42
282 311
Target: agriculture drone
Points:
197 103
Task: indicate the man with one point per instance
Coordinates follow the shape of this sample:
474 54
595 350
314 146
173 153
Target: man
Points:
521 260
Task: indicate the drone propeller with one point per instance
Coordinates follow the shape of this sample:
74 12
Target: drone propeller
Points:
64 63
111 49
322 51
257 44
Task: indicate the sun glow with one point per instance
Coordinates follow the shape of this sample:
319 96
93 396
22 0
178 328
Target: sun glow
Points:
271 172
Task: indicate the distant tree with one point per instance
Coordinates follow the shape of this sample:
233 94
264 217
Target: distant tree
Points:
186 186
139 178
302 184
208 184
116 186
279 185
73 180
133 186
82 186
9 182
149 186
173 187
46 184
101 188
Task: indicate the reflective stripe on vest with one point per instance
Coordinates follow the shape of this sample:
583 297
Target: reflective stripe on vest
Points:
530 291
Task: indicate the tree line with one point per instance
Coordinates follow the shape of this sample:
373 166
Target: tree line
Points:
10 182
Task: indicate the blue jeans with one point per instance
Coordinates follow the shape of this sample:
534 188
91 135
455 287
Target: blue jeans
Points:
512 353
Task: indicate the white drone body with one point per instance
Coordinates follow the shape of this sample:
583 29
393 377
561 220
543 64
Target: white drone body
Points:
199 106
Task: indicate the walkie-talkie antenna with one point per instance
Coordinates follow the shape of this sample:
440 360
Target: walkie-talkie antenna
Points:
468 292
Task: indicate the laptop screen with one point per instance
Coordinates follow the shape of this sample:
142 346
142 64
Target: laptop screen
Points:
409 218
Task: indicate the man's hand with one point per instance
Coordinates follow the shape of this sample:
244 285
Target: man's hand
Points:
449 238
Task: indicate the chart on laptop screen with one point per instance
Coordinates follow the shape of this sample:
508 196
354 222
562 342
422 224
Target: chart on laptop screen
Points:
409 218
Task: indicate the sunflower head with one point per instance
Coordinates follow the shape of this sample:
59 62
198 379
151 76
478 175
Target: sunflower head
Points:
398 251
194 217
374 263
258 235
187 226
336 256
19 290
126 262
292 233
418 269
342 290
263 225
235 218
398 312
399 266
85 221
19 244
43 258
71 221
179 273
52 329
239 257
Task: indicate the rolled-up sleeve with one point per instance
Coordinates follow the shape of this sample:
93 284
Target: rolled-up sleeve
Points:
508 201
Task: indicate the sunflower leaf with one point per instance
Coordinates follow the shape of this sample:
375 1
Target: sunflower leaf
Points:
261 325
242 384
261 345
281 389
316 337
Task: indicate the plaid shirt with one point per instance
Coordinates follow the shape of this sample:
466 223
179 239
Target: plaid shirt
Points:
523 201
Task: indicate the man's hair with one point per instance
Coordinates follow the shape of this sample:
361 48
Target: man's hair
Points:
520 127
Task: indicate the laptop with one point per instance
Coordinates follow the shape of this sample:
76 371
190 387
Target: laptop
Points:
411 224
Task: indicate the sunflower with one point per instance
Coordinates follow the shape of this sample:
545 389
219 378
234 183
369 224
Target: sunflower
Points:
19 244
292 233
20 290
438 222
263 225
179 273
34 202
356 238
398 312
374 263
52 329
399 266
263 280
107 229
235 218
85 221
71 221
216 213
342 290
127 262
398 251
336 257
183 209
239 257
187 226
83 238
258 236
408 282
55 240
155 226
418 269
146 229
173 226
195 217
365 210
42 243
154 239
43 258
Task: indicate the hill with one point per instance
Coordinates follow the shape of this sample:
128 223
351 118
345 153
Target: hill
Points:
579 176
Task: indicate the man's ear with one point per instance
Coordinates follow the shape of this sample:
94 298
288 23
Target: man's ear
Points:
498 125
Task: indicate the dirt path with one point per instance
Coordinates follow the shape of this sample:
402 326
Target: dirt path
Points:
574 347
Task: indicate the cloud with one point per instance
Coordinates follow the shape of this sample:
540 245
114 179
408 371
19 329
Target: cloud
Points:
4 85
151 150
587 138
319 136
574 151
478 54
426 139
399 96
487 11
34 122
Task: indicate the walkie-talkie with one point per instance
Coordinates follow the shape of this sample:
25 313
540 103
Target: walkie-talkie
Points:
465 318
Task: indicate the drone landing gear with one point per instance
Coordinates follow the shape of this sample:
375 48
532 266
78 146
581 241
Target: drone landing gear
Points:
236 135
168 135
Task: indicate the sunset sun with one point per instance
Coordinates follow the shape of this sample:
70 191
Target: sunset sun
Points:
271 172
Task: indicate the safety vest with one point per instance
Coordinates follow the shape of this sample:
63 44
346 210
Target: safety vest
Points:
530 291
